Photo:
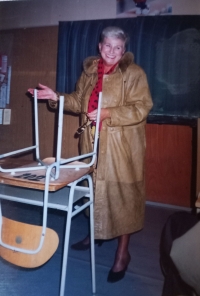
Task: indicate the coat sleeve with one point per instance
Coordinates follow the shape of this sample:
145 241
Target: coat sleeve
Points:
72 102
137 100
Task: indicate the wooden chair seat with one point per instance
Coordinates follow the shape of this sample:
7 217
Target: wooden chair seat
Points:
27 236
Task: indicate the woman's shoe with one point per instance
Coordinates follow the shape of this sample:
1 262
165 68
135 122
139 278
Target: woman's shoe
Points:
114 277
81 246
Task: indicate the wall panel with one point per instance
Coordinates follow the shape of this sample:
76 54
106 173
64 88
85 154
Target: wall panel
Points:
169 164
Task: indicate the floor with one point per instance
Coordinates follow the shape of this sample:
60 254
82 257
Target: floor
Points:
143 277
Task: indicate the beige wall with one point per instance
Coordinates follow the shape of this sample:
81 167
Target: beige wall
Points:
186 7
37 13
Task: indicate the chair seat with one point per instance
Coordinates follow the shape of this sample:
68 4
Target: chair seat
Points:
67 176
27 236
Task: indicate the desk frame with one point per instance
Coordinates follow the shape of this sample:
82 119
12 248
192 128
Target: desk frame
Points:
57 175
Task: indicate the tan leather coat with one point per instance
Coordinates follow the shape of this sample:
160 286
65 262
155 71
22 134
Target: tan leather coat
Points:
120 184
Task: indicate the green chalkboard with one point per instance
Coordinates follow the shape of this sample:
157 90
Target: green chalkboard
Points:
166 47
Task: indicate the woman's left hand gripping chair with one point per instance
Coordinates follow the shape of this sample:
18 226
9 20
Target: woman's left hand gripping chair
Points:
28 245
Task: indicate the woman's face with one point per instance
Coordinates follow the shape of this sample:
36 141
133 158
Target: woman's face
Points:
111 50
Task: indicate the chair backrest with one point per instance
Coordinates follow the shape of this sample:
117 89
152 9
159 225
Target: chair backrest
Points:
73 162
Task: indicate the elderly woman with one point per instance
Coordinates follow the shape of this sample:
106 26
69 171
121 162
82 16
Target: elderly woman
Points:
126 102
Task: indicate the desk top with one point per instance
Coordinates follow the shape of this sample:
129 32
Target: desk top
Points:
67 175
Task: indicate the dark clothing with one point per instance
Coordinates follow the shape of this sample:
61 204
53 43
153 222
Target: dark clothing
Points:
177 225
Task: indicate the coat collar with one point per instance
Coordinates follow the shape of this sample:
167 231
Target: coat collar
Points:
90 63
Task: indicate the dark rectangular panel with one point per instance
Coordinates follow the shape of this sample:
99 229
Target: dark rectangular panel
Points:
166 47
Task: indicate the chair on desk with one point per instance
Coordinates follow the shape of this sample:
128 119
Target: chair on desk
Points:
29 245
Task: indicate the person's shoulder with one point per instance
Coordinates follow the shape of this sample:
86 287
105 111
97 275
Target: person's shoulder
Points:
126 60
128 65
136 69
90 64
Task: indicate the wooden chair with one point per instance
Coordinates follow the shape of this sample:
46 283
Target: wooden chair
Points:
30 245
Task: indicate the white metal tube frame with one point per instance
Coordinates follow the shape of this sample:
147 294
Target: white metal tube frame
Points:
36 146
58 161
70 214
44 222
49 173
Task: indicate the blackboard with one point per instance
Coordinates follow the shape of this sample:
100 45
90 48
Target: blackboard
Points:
166 47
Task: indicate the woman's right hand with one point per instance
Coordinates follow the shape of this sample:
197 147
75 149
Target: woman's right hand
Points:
44 93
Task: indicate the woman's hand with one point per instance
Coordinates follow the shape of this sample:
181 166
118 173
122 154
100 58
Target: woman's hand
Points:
103 115
44 93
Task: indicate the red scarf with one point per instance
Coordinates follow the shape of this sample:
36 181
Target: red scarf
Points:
93 102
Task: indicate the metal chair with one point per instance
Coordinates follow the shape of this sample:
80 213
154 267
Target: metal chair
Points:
59 173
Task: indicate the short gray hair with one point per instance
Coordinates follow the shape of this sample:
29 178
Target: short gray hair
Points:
115 32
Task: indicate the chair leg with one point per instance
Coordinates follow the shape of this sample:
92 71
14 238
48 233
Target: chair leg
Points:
66 243
67 235
92 235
